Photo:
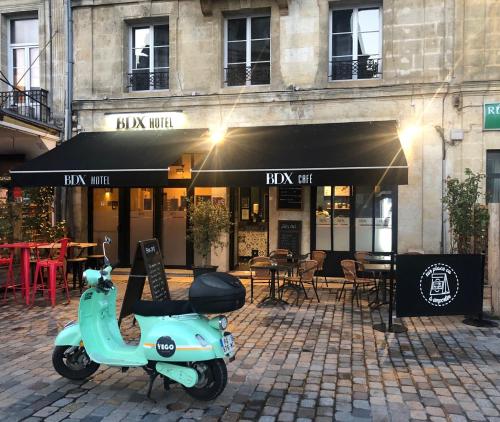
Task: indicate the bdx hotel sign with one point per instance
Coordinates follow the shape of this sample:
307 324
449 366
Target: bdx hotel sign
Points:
491 116
288 178
85 180
144 121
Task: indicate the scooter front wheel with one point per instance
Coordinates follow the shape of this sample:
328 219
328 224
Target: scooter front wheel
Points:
212 379
72 362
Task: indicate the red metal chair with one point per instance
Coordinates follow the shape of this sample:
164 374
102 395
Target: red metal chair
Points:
53 265
8 264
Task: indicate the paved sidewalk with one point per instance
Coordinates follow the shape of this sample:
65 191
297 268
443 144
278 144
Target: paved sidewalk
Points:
319 362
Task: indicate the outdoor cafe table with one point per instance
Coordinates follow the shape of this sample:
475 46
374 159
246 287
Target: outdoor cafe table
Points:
25 248
273 268
387 271
78 245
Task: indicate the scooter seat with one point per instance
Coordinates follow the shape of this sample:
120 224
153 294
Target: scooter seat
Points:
162 308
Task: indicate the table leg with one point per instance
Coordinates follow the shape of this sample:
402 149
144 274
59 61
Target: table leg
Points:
25 273
272 300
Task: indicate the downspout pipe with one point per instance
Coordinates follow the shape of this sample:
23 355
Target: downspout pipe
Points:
68 124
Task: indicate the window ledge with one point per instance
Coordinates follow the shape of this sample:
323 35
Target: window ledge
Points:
354 83
245 88
148 93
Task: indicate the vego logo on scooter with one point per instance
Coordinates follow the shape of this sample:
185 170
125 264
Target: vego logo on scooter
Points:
165 346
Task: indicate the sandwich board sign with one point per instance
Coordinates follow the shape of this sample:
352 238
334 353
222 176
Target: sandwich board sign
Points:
148 263
431 285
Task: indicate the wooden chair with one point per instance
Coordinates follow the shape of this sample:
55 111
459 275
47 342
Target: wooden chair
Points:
279 255
259 275
319 257
349 267
306 271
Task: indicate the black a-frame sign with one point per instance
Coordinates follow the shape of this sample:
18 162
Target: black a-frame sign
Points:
148 263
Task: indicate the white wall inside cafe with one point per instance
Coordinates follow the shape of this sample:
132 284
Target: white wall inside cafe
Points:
301 215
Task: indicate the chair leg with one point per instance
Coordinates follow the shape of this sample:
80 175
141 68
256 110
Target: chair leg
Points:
342 291
316 291
354 291
251 290
303 288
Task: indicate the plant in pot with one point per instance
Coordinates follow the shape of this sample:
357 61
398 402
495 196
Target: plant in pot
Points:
208 222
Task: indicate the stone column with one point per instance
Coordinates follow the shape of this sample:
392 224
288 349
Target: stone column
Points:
494 256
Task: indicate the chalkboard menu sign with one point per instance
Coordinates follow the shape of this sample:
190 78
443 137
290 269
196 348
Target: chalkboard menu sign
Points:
290 198
289 235
148 263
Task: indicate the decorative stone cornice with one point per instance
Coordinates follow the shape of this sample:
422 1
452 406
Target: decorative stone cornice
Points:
207 7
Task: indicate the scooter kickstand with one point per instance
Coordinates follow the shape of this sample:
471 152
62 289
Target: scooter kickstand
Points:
152 377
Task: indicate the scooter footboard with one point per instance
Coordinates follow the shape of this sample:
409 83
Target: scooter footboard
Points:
184 375
70 336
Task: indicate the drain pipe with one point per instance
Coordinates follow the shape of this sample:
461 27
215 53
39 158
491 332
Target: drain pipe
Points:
65 193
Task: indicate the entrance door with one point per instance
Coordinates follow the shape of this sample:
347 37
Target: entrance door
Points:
174 224
105 220
141 217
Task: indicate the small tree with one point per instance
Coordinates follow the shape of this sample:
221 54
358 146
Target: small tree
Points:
208 221
468 218
38 209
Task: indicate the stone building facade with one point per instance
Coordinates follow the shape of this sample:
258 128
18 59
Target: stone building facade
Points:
438 64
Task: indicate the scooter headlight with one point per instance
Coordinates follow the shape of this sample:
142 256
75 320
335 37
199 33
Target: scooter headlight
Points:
219 322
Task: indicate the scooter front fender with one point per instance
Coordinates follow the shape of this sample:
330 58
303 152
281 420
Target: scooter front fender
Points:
70 336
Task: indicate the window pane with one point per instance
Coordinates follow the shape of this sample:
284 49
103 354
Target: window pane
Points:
161 57
261 51
141 58
24 31
161 35
493 176
323 218
140 80
236 29
236 74
19 58
368 43
342 20
236 52
342 68
35 68
341 218
368 20
140 37
364 201
342 45
260 74
160 78
261 27
383 220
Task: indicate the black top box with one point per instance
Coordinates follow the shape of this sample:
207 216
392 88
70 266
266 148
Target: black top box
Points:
214 293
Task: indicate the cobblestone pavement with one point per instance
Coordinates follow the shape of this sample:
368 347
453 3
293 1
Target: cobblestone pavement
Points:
314 361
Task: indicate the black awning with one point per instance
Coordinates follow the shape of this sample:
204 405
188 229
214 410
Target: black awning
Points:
360 153
135 158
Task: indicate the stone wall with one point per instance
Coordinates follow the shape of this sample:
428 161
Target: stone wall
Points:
440 64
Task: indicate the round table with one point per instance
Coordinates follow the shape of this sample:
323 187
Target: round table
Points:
273 268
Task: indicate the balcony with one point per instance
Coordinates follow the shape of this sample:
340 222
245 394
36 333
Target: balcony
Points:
140 80
240 74
362 68
31 104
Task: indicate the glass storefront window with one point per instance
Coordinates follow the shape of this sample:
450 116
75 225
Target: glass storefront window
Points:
141 217
383 220
324 218
174 226
333 212
106 219
364 222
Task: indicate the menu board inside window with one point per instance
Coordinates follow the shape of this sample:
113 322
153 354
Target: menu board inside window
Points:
290 198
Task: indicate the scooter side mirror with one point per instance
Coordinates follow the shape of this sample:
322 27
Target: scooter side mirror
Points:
107 241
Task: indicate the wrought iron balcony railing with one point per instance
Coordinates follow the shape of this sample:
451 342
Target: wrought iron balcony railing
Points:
362 68
31 103
240 74
140 80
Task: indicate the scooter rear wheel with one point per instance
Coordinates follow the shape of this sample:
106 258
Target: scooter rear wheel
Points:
212 379
72 362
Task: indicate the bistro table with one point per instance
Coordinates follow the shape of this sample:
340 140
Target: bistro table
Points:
385 265
25 248
273 268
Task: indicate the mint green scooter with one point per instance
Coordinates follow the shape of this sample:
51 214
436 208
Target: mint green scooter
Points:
176 343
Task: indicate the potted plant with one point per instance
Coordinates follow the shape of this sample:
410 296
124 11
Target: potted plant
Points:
208 222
